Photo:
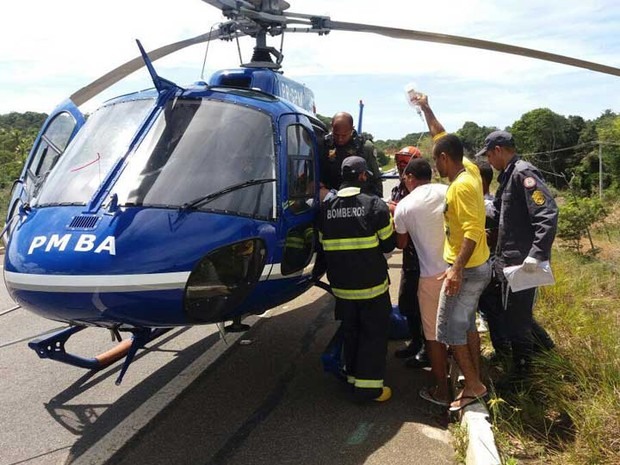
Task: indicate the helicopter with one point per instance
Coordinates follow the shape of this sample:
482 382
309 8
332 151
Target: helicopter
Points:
180 205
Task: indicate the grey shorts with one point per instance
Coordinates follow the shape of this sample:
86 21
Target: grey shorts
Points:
456 315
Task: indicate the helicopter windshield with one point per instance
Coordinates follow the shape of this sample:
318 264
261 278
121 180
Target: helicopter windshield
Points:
200 147
100 143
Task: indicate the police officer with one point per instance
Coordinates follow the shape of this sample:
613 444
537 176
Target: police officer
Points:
356 230
342 142
415 352
527 219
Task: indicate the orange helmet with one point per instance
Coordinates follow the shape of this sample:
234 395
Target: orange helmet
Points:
410 151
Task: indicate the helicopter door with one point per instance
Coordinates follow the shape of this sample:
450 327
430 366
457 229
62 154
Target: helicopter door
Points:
57 131
299 193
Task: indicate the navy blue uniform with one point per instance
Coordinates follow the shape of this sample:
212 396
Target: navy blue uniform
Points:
527 219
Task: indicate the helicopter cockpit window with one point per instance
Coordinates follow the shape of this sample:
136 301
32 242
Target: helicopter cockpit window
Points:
51 146
207 155
103 140
299 242
301 183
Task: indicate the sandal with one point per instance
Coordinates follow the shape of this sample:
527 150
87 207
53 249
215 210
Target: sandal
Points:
472 399
427 394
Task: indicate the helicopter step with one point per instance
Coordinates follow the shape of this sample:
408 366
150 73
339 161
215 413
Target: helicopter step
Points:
53 347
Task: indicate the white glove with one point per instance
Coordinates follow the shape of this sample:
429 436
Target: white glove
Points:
530 264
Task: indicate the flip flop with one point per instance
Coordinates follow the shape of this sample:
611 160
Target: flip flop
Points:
473 399
427 394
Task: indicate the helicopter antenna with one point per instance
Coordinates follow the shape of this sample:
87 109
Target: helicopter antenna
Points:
204 61
160 83
282 44
239 50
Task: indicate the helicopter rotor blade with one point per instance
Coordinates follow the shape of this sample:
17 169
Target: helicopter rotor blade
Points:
111 78
473 43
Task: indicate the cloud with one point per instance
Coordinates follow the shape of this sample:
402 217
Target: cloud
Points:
45 55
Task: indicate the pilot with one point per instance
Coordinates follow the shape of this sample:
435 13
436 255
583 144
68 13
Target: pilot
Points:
356 230
527 218
342 142
415 352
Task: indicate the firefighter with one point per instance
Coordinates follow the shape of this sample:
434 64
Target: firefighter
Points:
356 230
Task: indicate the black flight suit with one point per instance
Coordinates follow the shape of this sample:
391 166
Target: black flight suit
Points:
408 289
527 219
330 163
356 230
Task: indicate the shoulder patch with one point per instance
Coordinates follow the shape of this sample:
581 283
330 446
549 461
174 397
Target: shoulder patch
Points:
538 197
529 183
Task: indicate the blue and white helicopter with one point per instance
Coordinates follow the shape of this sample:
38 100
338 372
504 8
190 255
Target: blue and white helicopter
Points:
180 205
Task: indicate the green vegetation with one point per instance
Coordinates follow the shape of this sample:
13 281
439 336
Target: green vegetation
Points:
569 413
576 218
460 441
17 134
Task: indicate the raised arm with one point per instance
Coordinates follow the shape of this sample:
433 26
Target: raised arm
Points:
434 126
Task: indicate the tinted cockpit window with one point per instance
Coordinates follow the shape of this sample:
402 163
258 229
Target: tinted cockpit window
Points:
207 155
103 140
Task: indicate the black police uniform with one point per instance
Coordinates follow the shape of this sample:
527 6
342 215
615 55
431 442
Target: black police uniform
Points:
408 289
527 217
331 161
491 307
356 230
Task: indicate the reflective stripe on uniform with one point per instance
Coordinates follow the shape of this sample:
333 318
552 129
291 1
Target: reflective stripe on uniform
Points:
350 379
349 192
386 232
361 294
368 383
295 243
350 243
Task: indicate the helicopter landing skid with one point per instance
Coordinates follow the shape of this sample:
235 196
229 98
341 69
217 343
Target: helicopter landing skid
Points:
53 347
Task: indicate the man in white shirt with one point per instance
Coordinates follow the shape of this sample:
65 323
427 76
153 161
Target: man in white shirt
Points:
419 218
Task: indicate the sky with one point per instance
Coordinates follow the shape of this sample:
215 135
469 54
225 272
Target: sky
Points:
48 50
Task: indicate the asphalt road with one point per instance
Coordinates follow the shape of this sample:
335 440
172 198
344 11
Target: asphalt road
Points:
190 398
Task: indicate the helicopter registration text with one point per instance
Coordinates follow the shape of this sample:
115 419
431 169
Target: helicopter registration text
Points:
83 243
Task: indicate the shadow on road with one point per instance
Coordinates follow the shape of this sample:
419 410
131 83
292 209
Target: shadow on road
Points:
93 421
269 402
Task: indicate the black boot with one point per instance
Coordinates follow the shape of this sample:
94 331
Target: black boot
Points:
420 360
542 340
410 351
414 346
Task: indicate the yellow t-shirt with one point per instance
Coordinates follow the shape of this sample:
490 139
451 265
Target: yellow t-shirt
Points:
464 216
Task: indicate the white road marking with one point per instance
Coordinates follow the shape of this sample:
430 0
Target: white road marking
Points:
111 443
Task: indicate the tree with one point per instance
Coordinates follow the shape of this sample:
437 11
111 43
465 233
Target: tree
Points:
473 136
575 220
542 133
609 134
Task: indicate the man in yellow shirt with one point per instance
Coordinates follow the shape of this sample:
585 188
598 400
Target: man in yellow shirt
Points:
467 253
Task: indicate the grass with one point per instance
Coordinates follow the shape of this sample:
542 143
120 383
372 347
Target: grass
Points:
570 412
459 442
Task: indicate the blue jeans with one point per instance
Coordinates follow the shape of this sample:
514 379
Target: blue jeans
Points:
456 315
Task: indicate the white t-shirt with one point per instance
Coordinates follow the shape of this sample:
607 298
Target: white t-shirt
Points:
421 215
